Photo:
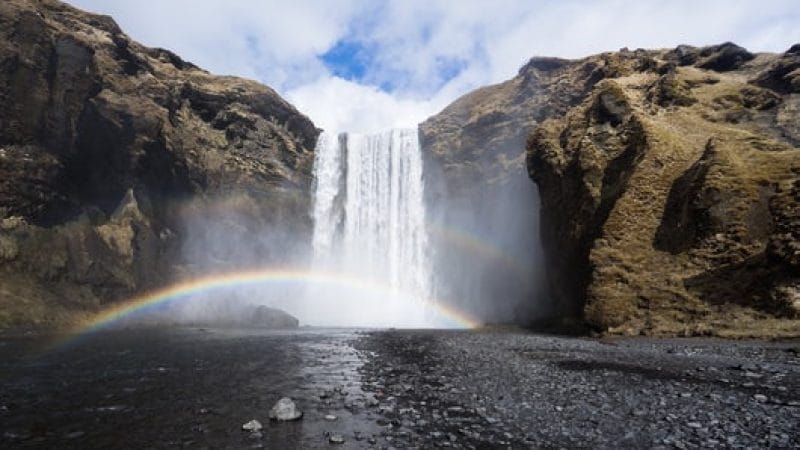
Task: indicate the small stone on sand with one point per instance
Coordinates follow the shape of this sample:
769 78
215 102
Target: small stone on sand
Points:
285 410
252 426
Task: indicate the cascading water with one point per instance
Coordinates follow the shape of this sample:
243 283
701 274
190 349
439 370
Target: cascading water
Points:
369 216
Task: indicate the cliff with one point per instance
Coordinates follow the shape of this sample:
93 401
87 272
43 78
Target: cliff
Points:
477 184
475 151
120 164
667 180
669 193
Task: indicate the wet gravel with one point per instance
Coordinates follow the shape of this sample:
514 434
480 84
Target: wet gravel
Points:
196 388
521 390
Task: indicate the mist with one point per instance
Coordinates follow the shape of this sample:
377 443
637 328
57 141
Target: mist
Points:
240 232
487 253
379 240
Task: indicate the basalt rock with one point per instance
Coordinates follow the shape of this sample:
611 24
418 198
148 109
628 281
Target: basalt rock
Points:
669 196
114 157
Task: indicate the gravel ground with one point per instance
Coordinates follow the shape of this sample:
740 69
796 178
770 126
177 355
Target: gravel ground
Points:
520 390
195 388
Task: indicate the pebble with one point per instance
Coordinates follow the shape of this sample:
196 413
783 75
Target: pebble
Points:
252 426
336 438
330 417
498 390
285 410
760 398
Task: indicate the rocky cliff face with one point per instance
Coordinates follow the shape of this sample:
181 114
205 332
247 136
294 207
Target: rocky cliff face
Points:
669 192
668 183
477 178
115 158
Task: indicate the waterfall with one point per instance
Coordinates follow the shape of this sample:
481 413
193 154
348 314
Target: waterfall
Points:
369 224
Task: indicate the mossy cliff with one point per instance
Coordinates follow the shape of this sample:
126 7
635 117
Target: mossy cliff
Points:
670 193
668 182
113 156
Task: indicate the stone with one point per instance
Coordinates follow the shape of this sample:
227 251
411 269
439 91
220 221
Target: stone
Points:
285 410
336 438
330 417
252 426
761 398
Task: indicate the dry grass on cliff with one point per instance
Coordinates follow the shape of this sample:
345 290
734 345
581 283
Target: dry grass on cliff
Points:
637 288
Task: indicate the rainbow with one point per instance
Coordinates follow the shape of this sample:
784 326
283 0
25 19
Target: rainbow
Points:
194 286
448 316
469 242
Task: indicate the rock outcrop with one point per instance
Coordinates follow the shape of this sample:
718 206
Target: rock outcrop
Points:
669 193
667 178
120 163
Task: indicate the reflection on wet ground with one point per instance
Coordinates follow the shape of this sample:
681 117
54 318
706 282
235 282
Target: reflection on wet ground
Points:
195 388
182 388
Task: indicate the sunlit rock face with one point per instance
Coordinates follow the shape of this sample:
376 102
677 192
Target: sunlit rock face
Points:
669 192
665 183
123 167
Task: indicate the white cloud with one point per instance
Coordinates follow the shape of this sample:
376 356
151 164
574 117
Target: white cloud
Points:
416 42
338 105
274 41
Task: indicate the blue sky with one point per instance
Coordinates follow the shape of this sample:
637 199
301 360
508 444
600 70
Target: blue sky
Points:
359 65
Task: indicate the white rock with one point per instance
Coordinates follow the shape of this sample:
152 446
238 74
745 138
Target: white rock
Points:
252 426
285 410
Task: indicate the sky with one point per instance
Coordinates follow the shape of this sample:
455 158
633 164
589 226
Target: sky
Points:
363 66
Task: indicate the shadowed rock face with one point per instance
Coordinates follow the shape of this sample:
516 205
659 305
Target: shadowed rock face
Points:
670 194
112 152
476 183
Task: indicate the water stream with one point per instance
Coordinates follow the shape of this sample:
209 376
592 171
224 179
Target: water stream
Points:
369 216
